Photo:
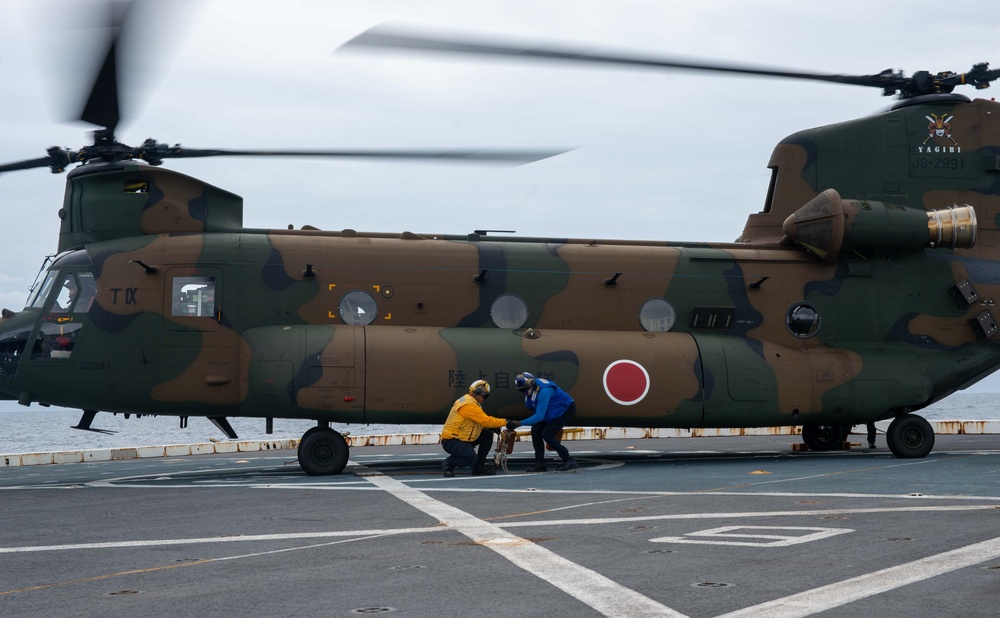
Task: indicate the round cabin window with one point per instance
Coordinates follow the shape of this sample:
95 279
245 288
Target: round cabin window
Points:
358 308
657 315
802 320
509 311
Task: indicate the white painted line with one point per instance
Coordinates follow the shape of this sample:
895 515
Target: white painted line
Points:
841 593
301 547
715 536
215 539
749 514
589 587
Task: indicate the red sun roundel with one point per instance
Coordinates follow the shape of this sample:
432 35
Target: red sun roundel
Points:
626 382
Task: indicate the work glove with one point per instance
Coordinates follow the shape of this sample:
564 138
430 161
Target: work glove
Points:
512 425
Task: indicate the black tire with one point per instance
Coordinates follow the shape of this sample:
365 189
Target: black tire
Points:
310 431
823 437
322 451
910 436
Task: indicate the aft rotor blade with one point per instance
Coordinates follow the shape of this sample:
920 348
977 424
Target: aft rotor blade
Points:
498 156
392 38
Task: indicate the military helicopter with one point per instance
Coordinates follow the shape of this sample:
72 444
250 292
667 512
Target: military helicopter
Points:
862 291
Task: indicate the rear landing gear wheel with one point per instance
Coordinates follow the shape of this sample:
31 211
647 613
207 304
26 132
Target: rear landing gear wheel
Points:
823 437
322 451
910 436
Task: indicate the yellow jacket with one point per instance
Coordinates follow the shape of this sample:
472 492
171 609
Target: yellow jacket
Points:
467 419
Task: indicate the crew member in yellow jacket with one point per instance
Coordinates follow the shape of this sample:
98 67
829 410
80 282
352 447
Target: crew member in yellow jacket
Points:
463 437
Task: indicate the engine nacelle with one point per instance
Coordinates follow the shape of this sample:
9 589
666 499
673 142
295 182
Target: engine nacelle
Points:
827 225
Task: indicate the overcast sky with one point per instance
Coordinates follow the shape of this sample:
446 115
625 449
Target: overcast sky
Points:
659 155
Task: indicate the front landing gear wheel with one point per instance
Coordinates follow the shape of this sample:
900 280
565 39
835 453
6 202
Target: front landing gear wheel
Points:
823 437
910 436
322 451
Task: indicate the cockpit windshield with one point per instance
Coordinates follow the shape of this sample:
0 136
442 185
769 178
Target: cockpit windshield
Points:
75 292
42 292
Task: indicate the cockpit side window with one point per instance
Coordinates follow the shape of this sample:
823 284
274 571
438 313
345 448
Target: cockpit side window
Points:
88 292
76 293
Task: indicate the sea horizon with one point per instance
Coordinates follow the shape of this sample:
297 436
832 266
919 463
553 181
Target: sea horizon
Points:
40 429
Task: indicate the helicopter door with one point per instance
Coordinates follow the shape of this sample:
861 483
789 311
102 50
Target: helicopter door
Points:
198 360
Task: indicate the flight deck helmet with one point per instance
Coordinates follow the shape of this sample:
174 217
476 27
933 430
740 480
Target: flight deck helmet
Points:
524 382
481 388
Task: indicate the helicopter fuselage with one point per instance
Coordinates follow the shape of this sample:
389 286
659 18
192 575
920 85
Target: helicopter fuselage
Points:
349 327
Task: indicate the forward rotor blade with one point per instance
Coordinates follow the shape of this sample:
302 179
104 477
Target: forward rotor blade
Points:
102 107
497 156
392 38
26 165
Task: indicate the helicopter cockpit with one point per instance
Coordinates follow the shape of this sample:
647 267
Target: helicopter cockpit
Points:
51 319
75 292
60 327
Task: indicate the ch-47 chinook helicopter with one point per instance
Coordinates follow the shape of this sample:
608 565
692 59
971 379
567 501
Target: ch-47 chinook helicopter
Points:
864 290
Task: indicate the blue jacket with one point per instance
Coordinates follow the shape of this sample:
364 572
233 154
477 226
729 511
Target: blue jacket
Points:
548 402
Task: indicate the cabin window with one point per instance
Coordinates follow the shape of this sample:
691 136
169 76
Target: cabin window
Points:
657 315
358 308
802 320
193 297
137 186
509 311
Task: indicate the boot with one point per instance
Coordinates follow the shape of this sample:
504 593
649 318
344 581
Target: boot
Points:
483 470
569 464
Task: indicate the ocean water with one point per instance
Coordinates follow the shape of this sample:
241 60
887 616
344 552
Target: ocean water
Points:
38 429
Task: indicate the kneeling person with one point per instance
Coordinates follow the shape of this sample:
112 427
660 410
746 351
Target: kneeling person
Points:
463 437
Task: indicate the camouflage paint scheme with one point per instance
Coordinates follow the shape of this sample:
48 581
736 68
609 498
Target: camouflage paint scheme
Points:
893 331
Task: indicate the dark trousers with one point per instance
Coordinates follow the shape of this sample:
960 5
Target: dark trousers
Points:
463 454
548 433
871 433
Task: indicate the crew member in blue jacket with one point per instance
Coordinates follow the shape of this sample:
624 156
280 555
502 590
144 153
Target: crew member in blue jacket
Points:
553 408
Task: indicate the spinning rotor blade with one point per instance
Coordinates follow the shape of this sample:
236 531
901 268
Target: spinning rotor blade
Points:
890 81
25 165
102 106
57 161
119 39
154 153
498 156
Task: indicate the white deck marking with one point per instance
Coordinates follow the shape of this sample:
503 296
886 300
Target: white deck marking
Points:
841 593
748 514
715 536
291 536
602 594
